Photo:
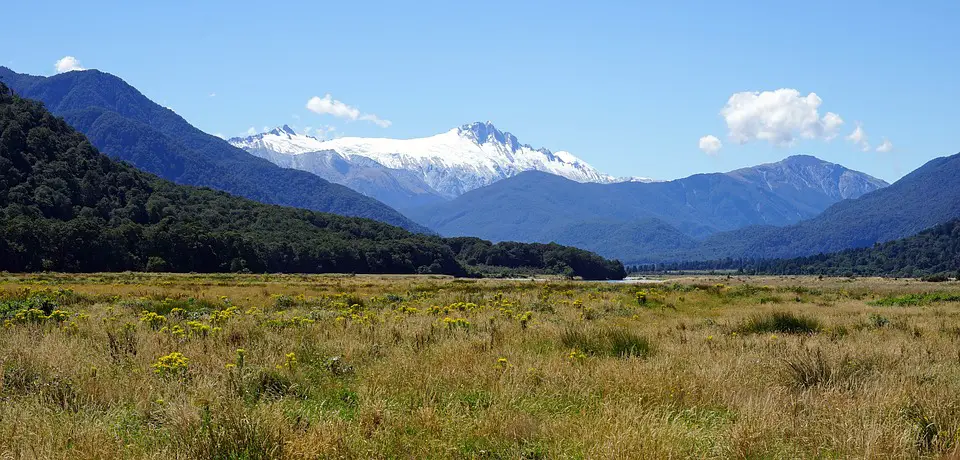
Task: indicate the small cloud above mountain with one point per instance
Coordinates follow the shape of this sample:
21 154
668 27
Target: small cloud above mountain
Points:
67 64
710 144
781 118
885 146
327 105
859 137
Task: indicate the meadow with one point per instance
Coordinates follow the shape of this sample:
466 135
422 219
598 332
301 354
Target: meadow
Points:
137 365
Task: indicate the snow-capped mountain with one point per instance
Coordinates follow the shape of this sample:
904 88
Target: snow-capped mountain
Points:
451 163
282 139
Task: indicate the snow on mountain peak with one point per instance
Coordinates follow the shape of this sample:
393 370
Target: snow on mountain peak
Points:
484 133
285 129
282 139
454 162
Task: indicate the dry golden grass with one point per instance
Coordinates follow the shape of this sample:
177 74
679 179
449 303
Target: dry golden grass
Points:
421 367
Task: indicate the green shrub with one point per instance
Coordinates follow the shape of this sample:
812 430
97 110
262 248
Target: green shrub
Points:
912 300
936 278
877 321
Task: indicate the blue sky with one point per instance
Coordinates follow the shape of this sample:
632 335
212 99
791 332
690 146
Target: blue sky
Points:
630 87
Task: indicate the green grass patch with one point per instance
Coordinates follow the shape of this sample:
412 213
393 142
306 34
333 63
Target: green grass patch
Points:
912 300
619 343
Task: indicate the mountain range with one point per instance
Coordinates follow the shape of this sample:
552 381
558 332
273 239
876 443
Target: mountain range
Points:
631 220
477 180
64 206
928 196
125 124
408 173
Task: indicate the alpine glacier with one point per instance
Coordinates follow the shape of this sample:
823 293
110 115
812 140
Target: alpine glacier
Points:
449 164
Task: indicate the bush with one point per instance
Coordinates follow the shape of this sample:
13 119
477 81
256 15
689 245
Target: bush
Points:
911 300
782 322
619 343
157 264
937 278
877 321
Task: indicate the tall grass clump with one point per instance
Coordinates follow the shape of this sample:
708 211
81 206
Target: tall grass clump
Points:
812 369
232 433
612 342
778 321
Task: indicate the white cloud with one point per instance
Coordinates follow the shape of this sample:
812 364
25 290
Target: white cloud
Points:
710 144
67 64
322 132
220 135
376 120
831 125
885 146
859 138
780 117
251 131
212 95
327 105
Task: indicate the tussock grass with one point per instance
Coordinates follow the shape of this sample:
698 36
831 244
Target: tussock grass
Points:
160 366
808 369
779 321
618 343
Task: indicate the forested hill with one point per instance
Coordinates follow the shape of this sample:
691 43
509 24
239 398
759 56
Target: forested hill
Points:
935 251
932 251
66 207
123 123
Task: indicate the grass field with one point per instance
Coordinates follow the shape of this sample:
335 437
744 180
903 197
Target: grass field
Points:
224 366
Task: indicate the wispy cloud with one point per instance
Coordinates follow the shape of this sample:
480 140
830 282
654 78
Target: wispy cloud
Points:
885 146
327 105
67 64
859 138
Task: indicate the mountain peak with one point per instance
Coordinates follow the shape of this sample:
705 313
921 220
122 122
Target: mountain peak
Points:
484 132
802 159
282 139
450 163
802 172
283 130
